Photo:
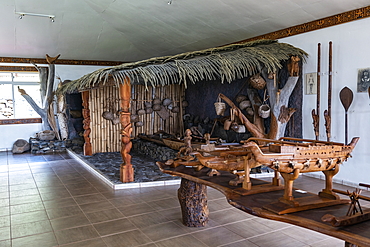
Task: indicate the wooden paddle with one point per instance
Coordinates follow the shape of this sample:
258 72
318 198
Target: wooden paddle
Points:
346 97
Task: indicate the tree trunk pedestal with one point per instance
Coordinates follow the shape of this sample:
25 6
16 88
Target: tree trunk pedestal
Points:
194 205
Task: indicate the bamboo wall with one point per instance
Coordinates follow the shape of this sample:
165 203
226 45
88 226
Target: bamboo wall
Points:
105 136
153 122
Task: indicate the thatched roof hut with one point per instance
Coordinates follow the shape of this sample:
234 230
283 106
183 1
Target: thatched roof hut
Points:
227 63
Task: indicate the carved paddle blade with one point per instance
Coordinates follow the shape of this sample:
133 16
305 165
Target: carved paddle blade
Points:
346 97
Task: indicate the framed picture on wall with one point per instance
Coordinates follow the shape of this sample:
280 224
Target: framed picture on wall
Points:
363 80
311 83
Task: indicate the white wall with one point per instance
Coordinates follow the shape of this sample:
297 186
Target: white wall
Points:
10 133
350 53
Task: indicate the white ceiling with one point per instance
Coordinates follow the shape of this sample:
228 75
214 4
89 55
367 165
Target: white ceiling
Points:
123 30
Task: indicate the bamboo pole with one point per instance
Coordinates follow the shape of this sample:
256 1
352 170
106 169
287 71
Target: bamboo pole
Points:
94 125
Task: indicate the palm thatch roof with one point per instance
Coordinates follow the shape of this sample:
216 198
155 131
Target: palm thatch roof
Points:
227 63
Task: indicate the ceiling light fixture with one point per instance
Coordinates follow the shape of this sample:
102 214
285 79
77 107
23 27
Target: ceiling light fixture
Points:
169 2
21 14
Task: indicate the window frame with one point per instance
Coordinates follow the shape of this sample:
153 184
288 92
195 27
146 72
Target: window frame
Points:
10 121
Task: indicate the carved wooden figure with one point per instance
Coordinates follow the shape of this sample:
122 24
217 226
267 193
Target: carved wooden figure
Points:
86 122
127 171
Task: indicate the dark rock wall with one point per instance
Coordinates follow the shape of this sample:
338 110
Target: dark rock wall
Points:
202 96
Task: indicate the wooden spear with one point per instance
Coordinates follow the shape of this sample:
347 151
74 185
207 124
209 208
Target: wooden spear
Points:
315 115
327 113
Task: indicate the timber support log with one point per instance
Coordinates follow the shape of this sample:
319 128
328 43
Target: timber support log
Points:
193 201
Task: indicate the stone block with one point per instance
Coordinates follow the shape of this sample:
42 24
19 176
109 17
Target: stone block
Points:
20 146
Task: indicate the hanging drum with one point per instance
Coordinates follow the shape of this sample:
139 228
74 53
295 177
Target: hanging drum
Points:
264 111
257 81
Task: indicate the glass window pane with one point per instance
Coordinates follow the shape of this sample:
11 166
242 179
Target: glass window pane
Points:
6 77
26 77
22 108
6 101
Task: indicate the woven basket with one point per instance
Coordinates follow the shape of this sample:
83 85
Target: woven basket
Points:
220 107
264 111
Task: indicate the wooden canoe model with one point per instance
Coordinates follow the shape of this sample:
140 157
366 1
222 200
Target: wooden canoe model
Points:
296 156
305 155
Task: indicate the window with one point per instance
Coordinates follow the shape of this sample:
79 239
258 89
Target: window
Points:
12 103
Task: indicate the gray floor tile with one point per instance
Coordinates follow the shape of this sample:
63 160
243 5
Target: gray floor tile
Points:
136 209
130 238
44 240
89 198
69 222
96 206
54 213
76 234
276 239
248 228
6 243
104 215
217 236
31 228
182 241
114 226
96 242
163 231
145 220
29 217
4 233
243 243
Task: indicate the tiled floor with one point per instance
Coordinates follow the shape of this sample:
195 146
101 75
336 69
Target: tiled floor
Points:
51 200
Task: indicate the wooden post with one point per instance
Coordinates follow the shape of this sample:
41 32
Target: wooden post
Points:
86 122
194 205
127 171
328 191
316 115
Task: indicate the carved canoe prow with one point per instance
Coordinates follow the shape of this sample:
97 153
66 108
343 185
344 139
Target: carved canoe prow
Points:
220 163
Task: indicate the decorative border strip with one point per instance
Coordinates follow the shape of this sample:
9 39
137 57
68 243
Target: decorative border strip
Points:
17 68
342 18
59 61
20 121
